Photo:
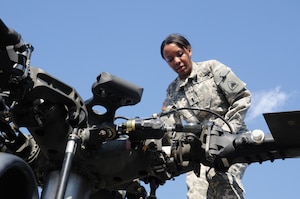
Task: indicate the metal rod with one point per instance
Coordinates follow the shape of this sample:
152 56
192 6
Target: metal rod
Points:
67 164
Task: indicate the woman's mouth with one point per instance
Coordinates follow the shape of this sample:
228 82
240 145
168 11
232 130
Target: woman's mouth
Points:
181 68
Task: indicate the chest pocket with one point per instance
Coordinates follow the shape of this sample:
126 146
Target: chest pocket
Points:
199 92
196 93
202 92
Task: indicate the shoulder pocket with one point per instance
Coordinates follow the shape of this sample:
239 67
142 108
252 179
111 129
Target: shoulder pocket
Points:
230 84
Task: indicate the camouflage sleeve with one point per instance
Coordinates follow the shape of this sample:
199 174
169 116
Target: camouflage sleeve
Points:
237 111
236 93
169 119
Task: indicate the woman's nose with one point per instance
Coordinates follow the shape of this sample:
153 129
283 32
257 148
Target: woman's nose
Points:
177 60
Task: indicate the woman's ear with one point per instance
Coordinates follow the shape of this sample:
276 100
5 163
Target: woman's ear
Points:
190 51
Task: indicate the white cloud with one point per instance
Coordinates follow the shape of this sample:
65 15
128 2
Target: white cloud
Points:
266 101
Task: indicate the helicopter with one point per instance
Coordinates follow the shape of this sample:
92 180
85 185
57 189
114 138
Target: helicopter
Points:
73 151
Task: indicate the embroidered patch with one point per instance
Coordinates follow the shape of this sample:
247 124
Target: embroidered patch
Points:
232 85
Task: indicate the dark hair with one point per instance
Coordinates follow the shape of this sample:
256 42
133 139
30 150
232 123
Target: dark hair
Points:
177 39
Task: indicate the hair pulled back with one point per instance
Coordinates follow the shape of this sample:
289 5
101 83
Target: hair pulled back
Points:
177 39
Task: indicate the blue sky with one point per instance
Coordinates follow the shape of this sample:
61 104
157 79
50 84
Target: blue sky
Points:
259 40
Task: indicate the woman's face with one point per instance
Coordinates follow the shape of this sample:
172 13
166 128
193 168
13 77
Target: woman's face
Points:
179 59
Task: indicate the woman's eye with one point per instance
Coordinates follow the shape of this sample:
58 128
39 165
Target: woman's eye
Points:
178 55
170 59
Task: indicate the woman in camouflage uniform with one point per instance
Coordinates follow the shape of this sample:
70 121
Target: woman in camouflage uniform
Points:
207 85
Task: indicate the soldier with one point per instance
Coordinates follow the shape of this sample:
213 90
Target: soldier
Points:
210 85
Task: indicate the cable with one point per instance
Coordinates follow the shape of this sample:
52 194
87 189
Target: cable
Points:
198 109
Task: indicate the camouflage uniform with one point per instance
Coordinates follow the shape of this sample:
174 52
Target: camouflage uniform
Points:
212 85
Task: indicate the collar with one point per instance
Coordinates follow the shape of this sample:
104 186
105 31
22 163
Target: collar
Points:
181 83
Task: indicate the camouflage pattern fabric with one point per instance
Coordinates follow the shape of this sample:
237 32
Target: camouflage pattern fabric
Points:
228 97
216 185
